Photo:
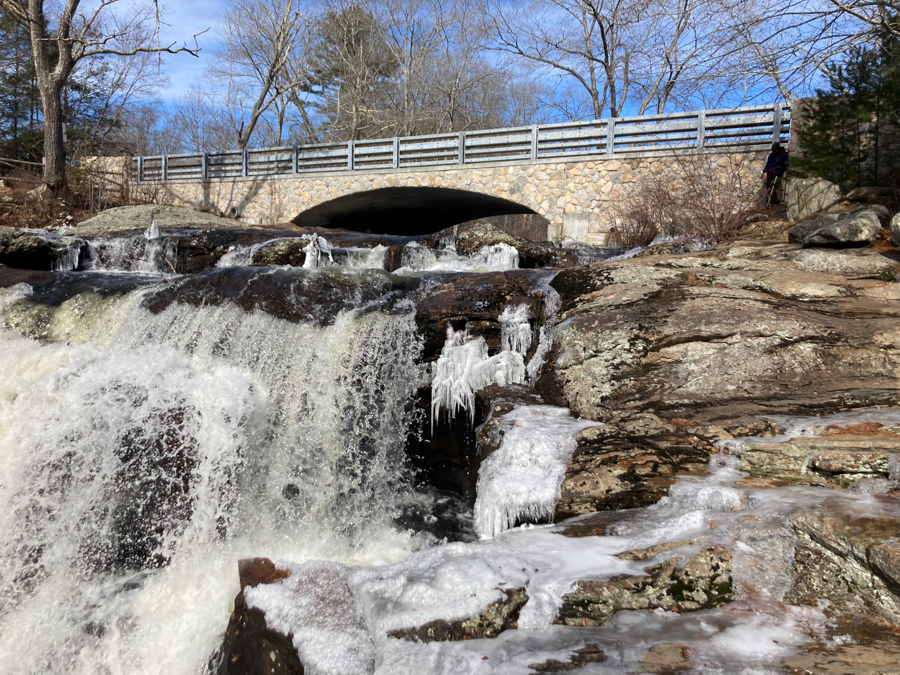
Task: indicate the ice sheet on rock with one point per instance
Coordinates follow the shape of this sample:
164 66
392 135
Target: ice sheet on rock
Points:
552 303
152 232
316 607
463 368
520 481
515 329
454 581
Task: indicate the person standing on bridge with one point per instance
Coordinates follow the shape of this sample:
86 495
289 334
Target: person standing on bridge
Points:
773 173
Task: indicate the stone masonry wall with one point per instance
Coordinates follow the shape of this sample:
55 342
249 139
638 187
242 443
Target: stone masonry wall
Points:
574 196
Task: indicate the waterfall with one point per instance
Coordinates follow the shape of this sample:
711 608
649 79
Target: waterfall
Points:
150 449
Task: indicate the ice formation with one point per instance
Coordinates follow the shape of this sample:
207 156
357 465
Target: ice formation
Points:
152 232
463 368
520 481
316 251
515 330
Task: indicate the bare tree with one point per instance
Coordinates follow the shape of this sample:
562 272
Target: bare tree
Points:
60 40
261 37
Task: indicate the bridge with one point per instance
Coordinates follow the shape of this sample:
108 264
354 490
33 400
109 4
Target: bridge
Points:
569 172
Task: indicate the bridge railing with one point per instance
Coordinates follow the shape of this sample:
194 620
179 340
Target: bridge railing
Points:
736 129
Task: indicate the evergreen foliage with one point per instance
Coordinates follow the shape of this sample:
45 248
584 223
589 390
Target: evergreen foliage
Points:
851 133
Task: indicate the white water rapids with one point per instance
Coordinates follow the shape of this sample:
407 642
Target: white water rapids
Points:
145 454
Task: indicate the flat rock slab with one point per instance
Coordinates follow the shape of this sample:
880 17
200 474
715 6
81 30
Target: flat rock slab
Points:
669 657
823 460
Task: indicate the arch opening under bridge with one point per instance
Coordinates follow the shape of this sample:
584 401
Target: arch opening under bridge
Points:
409 210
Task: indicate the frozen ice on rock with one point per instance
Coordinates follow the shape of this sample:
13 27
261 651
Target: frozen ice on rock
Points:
515 330
520 481
463 368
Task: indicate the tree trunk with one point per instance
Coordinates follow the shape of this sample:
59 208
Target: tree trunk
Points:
54 149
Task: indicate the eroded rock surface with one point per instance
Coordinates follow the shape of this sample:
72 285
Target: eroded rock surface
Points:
703 582
741 330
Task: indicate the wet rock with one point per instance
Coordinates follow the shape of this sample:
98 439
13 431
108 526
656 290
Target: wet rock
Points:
854 643
459 299
670 657
497 617
39 250
703 582
11 277
614 469
677 336
854 228
250 647
653 551
590 653
282 252
807 196
831 460
292 294
852 561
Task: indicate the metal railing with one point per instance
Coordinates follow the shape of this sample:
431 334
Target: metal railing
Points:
744 129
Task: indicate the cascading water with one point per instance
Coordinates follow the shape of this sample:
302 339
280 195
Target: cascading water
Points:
147 454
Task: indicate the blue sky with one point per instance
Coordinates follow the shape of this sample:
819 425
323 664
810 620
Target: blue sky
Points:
184 19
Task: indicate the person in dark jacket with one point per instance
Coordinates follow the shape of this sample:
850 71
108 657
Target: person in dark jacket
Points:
776 167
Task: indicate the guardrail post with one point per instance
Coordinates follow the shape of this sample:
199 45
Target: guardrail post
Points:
245 163
610 135
701 129
351 149
204 166
164 169
395 150
534 142
776 124
295 159
461 154
140 175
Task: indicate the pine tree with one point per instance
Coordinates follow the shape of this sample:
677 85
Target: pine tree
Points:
851 133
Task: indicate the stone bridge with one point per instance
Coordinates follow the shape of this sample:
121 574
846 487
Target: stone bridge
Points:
567 173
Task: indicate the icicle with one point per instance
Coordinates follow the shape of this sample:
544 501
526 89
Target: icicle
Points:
152 232
463 368
318 246
515 330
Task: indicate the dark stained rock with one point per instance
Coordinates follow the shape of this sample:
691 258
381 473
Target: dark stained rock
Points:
250 647
39 250
287 293
460 299
579 658
852 561
11 277
497 617
703 582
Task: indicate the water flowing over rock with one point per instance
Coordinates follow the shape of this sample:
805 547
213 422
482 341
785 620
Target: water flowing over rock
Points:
39 250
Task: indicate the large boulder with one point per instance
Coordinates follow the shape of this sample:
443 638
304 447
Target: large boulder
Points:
130 218
807 196
684 337
858 227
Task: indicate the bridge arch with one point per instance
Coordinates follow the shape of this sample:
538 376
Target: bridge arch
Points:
407 210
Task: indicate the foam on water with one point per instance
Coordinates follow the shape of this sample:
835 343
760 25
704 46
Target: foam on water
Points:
419 258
